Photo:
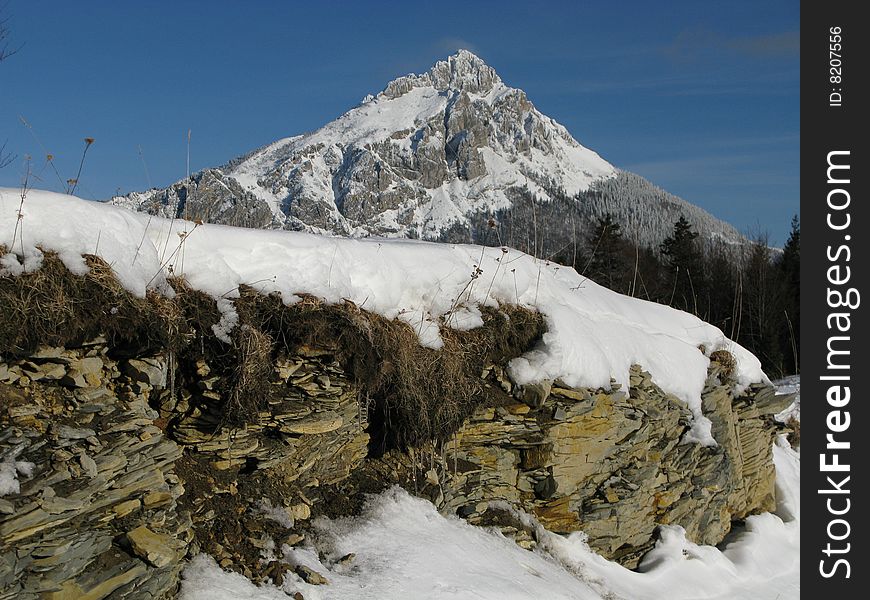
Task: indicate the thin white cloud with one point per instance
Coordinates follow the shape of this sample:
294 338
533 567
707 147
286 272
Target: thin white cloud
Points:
449 45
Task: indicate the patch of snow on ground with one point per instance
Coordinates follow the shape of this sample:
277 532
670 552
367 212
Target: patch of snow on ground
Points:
406 550
10 470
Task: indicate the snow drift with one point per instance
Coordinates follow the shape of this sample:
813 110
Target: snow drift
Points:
594 334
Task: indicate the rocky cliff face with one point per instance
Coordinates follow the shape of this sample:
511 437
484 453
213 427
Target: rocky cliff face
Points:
211 197
444 155
610 463
135 466
100 514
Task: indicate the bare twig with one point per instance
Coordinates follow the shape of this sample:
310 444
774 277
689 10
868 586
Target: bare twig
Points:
49 157
504 252
6 158
183 235
331 262
674 291
793 344
5 51
636 264
75 181
150 216
19 221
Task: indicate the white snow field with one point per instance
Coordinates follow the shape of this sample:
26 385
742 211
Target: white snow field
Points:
404 548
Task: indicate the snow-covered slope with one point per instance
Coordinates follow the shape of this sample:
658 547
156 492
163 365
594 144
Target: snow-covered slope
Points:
432 156
593 333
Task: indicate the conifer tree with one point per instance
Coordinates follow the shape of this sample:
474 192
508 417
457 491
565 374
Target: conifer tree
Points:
684 259
790 273
607 249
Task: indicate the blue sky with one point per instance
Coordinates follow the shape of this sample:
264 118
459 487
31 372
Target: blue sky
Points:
701 98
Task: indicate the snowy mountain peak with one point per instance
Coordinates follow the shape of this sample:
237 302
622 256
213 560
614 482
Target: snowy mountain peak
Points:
461 71
450 154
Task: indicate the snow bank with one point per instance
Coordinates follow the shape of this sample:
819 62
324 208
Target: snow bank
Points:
593 333
404 549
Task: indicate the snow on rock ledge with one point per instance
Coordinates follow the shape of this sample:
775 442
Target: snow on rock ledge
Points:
594 334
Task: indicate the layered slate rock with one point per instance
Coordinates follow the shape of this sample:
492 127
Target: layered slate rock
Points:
611 462
103 470
136 468
311 412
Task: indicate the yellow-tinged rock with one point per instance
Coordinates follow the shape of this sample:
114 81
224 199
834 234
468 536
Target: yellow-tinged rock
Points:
484 414
223 465
558 516
571 393
156 499
316 424
125 508
155 548
299 511
72 591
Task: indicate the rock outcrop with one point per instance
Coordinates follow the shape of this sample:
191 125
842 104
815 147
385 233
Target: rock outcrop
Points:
208 196
99 516
611 463
135 467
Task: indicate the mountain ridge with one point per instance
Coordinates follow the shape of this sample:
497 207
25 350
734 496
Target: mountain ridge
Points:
442 155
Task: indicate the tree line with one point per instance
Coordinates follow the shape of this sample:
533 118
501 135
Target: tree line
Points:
752 293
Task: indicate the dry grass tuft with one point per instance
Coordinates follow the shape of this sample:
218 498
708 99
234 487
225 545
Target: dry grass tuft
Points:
726 360
418 394
51 306
249 381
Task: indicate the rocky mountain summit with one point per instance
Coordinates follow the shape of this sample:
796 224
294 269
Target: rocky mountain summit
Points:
450 155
